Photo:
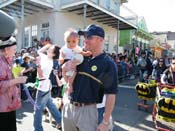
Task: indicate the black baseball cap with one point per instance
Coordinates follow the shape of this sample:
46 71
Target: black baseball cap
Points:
93 30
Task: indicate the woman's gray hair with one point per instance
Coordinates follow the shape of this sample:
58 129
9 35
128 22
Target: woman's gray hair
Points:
10 42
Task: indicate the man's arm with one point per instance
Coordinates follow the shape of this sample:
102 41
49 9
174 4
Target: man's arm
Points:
109 106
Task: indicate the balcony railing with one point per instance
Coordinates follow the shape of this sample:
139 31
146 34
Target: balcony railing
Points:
128 14
3 1
114 6
45 2
109 5
49 3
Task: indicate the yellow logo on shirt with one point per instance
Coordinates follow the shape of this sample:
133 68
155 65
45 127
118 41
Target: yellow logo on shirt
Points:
94 68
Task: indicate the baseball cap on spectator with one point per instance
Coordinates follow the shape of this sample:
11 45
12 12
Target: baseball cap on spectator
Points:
10 42
93 30
27 55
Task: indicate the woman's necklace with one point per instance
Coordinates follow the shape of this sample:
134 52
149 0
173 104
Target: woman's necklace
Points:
8 63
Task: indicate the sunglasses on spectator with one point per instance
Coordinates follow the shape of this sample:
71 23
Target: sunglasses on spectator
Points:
71 41
173 63
90 37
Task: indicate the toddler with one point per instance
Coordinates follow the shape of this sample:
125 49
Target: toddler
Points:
71 54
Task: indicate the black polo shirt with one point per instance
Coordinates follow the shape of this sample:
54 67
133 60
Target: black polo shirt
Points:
95 76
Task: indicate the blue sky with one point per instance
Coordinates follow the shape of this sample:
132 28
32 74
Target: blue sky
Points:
159 14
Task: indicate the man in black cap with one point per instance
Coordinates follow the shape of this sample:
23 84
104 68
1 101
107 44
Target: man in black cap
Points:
96 76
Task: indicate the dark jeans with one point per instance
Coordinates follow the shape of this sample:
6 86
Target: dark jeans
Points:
100 114
8 121
43 99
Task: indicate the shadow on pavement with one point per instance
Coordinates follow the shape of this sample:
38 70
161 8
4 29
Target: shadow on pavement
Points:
129 82
26 108
126 115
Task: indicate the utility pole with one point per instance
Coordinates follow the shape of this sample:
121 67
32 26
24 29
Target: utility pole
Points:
84 16
118 36
22 24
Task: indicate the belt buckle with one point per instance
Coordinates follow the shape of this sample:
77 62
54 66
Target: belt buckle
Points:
82 104
78 104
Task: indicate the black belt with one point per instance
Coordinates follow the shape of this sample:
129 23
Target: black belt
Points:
45 93
41 79
81 104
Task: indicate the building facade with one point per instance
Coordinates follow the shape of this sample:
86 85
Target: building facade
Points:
42 18
165 40
130 39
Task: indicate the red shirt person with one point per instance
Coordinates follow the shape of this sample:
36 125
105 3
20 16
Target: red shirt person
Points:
9 92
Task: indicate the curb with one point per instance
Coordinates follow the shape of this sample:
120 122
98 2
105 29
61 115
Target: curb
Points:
126 86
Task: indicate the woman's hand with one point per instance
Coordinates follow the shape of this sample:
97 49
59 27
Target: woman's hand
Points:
21 80
55 72
38 59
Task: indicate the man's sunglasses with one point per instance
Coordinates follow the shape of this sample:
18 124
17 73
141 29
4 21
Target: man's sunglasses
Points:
90 37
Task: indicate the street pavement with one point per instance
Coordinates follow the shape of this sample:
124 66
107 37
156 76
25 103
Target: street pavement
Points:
126 115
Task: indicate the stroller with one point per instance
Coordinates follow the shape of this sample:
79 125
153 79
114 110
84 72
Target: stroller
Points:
164 107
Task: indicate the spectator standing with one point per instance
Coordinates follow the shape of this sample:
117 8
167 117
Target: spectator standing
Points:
56 89
123 65
28 71
36 43
159 69
43 96
92 81
149 64
168 76
9 92
17 69
141 63
167 61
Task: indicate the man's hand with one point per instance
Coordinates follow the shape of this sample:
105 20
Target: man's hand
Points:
102 127
69 66
109 106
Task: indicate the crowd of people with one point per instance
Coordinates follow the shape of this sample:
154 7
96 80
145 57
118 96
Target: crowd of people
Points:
159 69
127 66
86 77
143 65
47 62
85 72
